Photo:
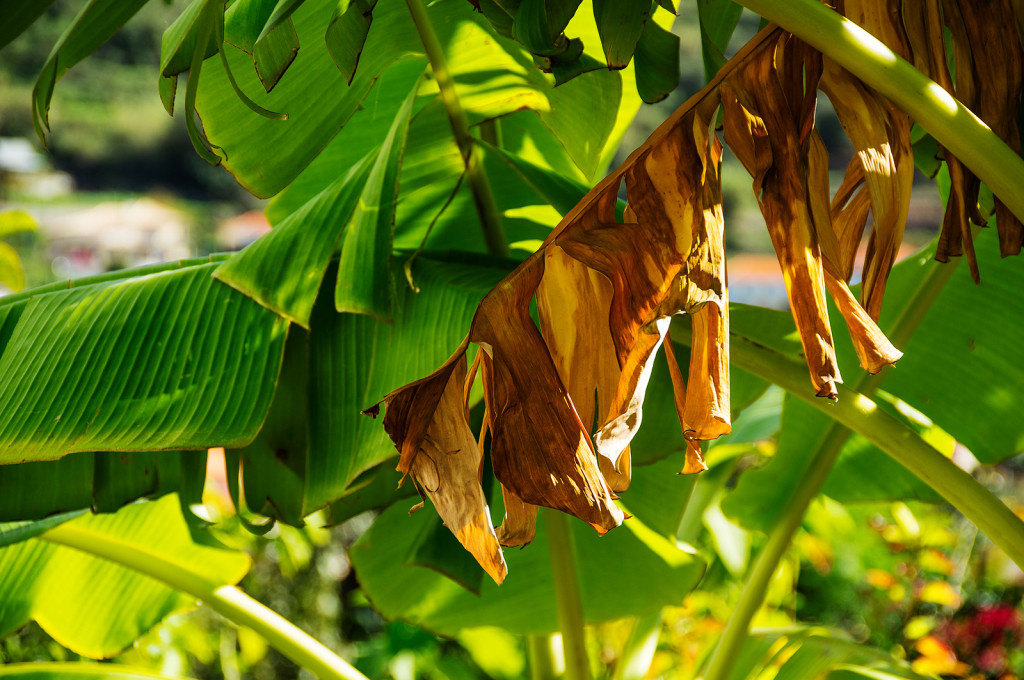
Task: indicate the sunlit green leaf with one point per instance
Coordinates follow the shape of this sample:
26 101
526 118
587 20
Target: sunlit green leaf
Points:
283 270
62 587
286 147
364 272
169 360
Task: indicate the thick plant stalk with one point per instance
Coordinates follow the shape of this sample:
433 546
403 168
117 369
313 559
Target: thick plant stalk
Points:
545 656
228 601
855 412
638 653
728 647
952 124
863 416
756 584
483 197
567 595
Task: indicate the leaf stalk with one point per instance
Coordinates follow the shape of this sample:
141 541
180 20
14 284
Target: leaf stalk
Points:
831 444
567 595
863 416
228 601
476 177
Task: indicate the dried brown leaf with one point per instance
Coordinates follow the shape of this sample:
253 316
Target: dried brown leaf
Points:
539 448
761 129
427 422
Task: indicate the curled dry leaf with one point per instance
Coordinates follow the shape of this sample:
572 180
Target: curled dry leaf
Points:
988 71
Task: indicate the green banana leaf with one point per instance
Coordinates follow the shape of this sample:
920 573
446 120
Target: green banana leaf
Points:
610 569
167 359
60 587
100 481
316 442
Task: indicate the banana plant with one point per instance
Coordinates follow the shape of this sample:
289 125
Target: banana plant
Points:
442 212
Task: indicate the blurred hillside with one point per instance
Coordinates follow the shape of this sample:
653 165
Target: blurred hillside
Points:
109 130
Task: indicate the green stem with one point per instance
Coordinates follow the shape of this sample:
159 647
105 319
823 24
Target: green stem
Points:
638 653
228 601
810 485
863 416
546 662
567 595
476 177
736 629
950 122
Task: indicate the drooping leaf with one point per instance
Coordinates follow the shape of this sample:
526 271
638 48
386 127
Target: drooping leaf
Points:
676 266
538 25
61 587
960 329
664 256
352 361
657 63
244 21
94 24
173 359
207 32
717 19
274 53
283 10
963 328
178 43
346 34
364 272
19 15
445 460
620 25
